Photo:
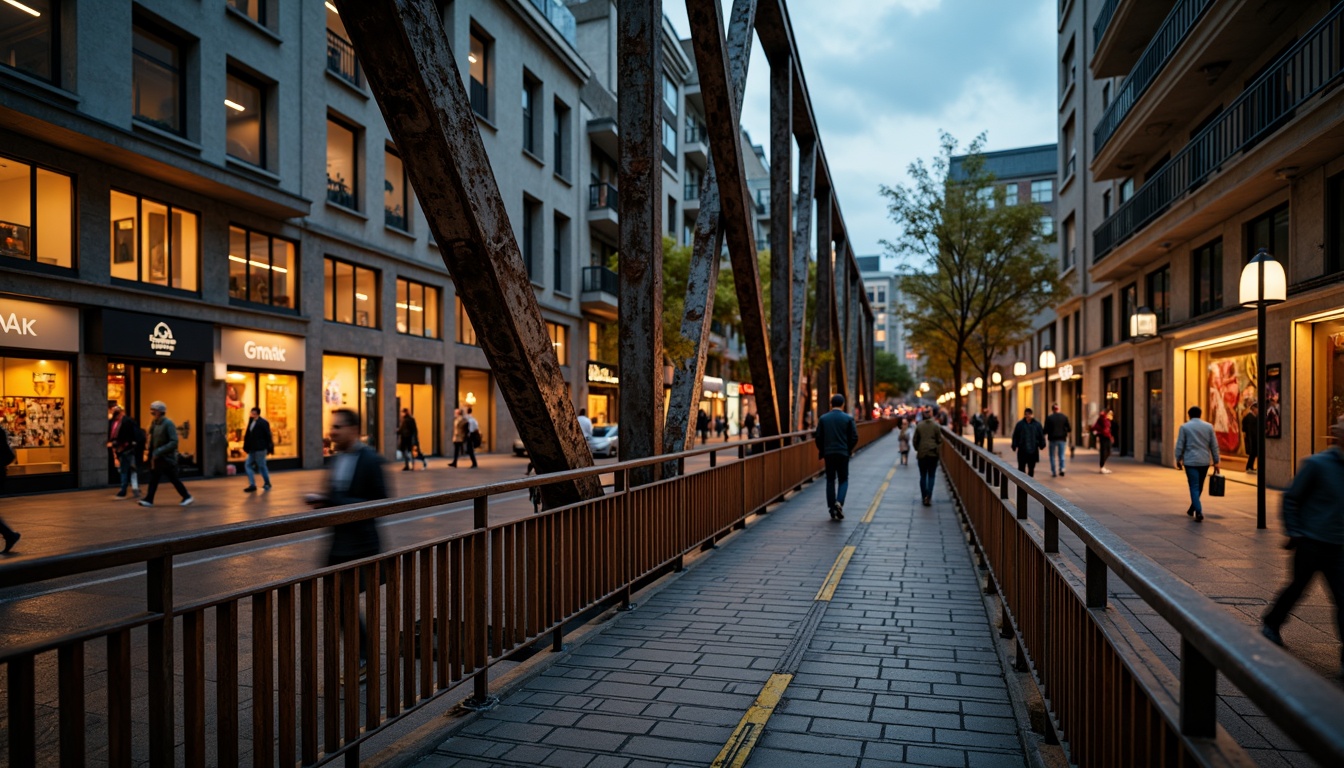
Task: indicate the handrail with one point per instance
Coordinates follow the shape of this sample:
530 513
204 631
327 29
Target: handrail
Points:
1104 17
1299 701
1182 18
601 279
1312 65
603 195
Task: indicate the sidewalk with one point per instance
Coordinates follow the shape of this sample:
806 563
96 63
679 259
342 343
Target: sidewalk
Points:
898 666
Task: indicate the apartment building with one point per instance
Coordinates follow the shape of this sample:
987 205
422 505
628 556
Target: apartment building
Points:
884 295
1192 135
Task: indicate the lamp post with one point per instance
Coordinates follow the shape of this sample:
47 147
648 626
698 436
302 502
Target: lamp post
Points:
997 378
1019 370
980 385
1047 361
1263 282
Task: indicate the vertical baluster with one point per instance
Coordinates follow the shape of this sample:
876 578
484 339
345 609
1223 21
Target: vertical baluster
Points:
118 700
308 670
226 688
193 687
70 661
442 565
331 667
395 641
408 643
456 600
162 711
285 669
348 609
373 709
480 619
1199 693
497 598
426 646
22 710
263 695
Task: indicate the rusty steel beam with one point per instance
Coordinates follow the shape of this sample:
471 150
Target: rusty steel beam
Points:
802 237
640 340
852 350
716 89
838 321
781 236
404 51
823 318
706 253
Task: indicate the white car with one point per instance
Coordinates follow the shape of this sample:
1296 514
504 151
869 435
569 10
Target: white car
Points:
605 441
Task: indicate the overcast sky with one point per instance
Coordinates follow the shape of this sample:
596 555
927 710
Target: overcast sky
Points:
885 76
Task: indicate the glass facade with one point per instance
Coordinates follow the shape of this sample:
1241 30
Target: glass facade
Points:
134 387
278 397
351 294
350 382
154 243
262 269
36 214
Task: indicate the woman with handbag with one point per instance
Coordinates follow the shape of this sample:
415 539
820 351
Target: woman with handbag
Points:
1196 451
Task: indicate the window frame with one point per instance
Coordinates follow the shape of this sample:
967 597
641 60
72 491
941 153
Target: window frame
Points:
405 198
465 332
354 186
560 251
430 311
1129 305
329 294
532 92
476 34
33 228
559 335
1042 195
1163 308
1107 321
53 58
263 137
1213 271
527 244
141 261
1280 251
292 270
561 132
170 40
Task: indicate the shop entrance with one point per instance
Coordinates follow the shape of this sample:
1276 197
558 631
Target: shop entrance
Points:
135 387
418 390
1119 398
277 395
476 391
350 382
1152 450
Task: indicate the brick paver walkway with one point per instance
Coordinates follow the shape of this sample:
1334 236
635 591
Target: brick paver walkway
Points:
899 667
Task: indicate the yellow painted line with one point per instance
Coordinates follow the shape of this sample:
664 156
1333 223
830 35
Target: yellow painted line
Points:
833 578
877 499
752 725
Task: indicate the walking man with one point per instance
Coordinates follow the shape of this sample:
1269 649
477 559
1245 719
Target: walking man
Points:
459 435
7 457
1028 440
257 444
1250 435
928 440
1196 450
991 428
702 425
836 437
749 424
1057 431
978 427
126 441
408 437
1105 437
1313 518
163 455
473 436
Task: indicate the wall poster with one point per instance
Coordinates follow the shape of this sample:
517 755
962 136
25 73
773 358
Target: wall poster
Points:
1273 398
34 422
1232 389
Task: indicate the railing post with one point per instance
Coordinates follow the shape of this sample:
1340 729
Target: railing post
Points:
1199 693
162 712
481 618
1021 501
713 459
1003 484
1051 543
1096 580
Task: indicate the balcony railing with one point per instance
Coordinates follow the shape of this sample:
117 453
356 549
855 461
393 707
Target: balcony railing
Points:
395 219
1309 67
1103 21
341 58
1168 39
601 279
560 17
340 193
691 191
696 133
602 195
480 98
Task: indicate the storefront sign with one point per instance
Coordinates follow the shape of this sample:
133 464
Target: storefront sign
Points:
712 384
30 325
255 349
1065 372
747 389
602 373
732 389
166 339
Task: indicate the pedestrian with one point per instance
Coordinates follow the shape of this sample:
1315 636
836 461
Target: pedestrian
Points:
1313 518
928 439
1102 429
991 428
749 424
126 440
163 457
585 423
7 457
1057 432
257 444
1196 451
356 475
1028 440
906 433
721 427
702 425
408 437
978 427
837 437
1250 435
473 436
459 435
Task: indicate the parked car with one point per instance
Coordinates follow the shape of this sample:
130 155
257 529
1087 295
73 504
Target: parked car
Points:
519 447
605 441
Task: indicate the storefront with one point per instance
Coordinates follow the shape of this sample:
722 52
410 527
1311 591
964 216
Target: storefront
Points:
603 392
156 357
1327 385
747 391
418 390
1223 379
351 382
733 392
713 401
475 390
38 344
1156 427
262 370
1119 398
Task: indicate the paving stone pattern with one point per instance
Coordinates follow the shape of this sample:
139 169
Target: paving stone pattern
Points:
901 669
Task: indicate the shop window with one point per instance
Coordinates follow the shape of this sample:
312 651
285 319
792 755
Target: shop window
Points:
29 38
478 70
531 115
245 119
350 382
560 253
396 200
1108 321
262 269
342 164
1269 231
466 333
135 387
1129 304
35 409
559 340
154 243
417 309
351 294
1042 191
252 9
158 80
36 214
277 395
1159 295
1207 271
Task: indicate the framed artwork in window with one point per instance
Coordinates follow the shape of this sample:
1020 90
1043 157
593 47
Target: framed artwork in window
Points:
158 246
123 241
15 239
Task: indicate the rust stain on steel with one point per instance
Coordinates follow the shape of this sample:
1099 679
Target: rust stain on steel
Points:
688 375
716 89
824 314
781 235
403 49
802 237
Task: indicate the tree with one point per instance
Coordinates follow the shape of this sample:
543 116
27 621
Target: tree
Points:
893 377
981 257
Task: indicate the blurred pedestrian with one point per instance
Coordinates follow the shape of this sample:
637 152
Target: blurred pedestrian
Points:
7 457
408 440
702 425
978 427
1250 435
837 437
1028 441
473 436
1057 431
1196 451
126 440
927 440
991 428
459 435
904 436
163 456
1313 518
585 423
749 424
1102 429
257 444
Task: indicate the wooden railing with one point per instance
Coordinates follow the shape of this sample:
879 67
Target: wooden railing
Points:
440 613
1109 696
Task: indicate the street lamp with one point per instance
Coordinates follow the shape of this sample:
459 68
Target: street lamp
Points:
1047 361
1262 283
1143 323
997 378
1019 369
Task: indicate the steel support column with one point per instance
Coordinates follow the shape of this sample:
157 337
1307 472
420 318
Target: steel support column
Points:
822 320
717 91
706 253
852 312
802 237
640 339
838 318
781 236
404 51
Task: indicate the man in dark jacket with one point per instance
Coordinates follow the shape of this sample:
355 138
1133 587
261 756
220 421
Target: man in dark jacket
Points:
836 437
991 429
1057 430
408 441
1250 434
978 427
257 444
928 440
163 455
1028 440
124 439
1313 518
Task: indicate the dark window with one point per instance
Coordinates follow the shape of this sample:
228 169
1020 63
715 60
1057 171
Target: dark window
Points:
262 268
157 80
29 37
531 93
351 294
1334 256
560 253
1069 248
1269 231
1129 304
1159 295
1106 204
36 214
561 139
1065 336
1077 333
252 9
478 61
417 309
669 142
1108 321
1207 271
528 244
245 119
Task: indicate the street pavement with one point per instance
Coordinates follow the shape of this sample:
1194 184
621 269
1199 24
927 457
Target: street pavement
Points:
898 667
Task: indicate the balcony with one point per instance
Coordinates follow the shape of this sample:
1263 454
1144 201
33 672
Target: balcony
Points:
1260 114
602 131
341 58
601 287
1122 29
604 210
697 143
1160 49
560 17
395 218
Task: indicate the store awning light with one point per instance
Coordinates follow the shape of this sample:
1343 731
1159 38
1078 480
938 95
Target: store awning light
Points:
1047 358
1019 368
996 378
235 106
24 8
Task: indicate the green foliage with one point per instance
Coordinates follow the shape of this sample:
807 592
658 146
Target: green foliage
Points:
893 377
